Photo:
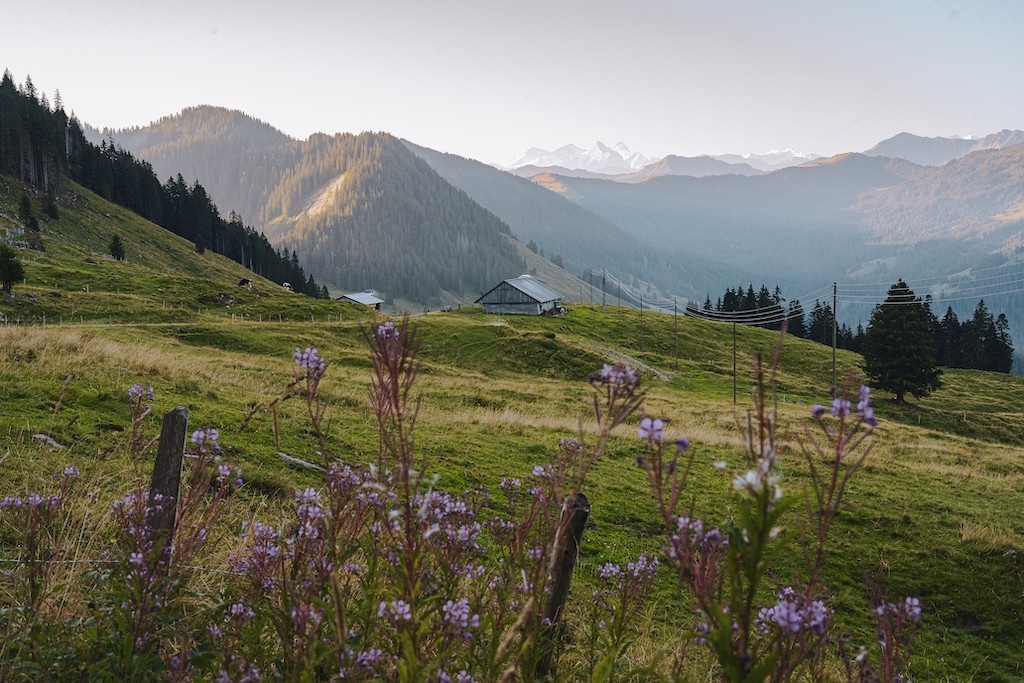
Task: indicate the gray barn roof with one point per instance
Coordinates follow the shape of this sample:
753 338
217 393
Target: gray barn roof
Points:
364 298
531 287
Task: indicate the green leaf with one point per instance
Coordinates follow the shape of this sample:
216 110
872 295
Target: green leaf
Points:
605 669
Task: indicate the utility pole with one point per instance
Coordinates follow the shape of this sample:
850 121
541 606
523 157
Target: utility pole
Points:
834 327
734 363
591 278
675 315
602 287
641 322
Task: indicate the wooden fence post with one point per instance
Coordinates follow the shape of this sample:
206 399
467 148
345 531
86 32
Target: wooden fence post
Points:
166 481
564 551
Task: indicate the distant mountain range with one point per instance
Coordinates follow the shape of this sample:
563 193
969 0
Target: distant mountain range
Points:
598 159
620 164
361 208
938 151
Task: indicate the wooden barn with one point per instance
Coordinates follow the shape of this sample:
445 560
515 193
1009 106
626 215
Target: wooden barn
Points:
364 298
523 295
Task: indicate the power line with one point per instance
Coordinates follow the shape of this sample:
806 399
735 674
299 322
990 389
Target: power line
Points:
919 282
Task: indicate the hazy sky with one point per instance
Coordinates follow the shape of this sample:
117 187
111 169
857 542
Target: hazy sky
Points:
487 79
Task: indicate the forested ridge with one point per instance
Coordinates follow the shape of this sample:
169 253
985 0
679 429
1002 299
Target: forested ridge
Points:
381 217
40 145
362 210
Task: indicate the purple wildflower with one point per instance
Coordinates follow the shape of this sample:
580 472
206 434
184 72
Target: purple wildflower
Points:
867 414
794 613
912 608
396 611
138 393
458 615
386 331
653 429
840 407
618 377
311 361
817 411
207 437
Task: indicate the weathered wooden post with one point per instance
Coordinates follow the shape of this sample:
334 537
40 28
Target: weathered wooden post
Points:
166 482
564 551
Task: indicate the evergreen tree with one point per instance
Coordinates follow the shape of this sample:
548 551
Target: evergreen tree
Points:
116 247
948 353
26 214
795 324
28 217
898 352
10 268
1002 354
820 327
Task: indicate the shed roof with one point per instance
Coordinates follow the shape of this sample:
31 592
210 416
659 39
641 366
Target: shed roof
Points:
364 298
536 289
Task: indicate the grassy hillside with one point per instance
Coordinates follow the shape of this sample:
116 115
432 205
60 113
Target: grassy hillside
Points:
935 512
162 278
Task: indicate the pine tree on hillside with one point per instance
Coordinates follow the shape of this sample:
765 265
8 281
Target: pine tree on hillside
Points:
1001 359
116 248
898 352
11 270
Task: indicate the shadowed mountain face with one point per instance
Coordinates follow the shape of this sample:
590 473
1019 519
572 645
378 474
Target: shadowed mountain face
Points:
362 210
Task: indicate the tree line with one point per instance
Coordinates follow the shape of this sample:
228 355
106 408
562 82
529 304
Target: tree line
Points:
40 145
982 342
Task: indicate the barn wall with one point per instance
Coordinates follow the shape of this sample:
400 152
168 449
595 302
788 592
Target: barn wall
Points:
531 308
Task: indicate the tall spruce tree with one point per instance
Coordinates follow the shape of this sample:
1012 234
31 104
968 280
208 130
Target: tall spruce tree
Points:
898 352
116 247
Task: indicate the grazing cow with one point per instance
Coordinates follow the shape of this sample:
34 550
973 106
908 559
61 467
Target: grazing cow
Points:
245 282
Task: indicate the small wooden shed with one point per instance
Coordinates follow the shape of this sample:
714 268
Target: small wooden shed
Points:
523 295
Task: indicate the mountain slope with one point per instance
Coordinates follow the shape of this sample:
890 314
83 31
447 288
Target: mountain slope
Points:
162 278
978 196
362 211
582 238
226 149
371 214
768 224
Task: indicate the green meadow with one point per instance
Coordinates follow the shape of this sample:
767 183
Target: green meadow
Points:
935 512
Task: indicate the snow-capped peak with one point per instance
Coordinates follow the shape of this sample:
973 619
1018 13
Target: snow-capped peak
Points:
600 158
